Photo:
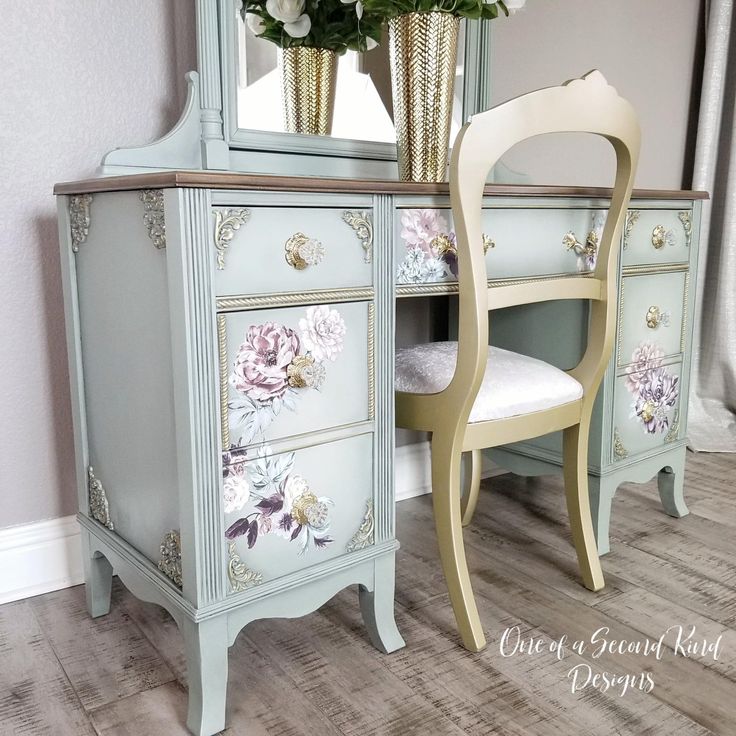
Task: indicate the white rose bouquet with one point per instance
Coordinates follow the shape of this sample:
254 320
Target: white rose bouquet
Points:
462 8
337 25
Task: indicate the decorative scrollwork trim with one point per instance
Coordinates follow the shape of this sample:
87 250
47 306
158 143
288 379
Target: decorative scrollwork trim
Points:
79 219
619 450
363 226
99 508
364 536
240 577
687 226
631 218
170 562
153 216
674 431
227 222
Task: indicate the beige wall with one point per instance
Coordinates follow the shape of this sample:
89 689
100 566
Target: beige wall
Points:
645 48
78 78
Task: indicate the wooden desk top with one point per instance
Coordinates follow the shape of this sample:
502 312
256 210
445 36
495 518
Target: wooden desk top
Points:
259 182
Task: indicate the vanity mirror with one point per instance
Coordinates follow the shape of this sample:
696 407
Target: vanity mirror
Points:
233 118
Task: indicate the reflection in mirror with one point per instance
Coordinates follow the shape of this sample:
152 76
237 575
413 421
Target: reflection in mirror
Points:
363 109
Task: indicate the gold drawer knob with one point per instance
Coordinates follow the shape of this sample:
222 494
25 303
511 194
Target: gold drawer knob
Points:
302 251
661 237
656 317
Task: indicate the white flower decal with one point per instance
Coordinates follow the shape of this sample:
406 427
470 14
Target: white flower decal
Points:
323 332
235 492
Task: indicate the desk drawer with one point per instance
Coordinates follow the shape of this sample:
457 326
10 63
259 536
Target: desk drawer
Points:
289 511
288 371
262 250
519 242
657 236
653 311
646 412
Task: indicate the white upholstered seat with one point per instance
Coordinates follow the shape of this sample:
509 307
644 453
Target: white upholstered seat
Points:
513 384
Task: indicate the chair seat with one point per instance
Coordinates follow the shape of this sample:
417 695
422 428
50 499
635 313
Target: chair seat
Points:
513 384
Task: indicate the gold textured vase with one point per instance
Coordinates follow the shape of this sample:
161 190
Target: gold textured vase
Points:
309 77
423 49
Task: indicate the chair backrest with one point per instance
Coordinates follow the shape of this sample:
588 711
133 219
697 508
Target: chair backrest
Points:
587 105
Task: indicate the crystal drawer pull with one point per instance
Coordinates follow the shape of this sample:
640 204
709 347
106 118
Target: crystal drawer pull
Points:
302 251
661 237
656 317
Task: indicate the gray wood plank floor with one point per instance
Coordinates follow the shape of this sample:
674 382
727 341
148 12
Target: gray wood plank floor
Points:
64 673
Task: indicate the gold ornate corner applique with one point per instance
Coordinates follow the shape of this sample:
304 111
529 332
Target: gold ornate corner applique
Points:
588 250
488 243
302 251
170 562
631 218
364 536
227 223
79 219
361 223
687 225
240 577
671 436
153 216
618 446
99 508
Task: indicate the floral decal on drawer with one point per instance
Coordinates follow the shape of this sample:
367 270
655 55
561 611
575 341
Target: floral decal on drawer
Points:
431 253
275 362
654 389
279 501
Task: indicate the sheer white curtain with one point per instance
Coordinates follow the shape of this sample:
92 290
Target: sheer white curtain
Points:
712 417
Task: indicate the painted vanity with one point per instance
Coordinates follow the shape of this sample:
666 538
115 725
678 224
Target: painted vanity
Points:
231 345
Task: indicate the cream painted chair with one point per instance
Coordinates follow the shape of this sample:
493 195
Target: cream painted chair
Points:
470 396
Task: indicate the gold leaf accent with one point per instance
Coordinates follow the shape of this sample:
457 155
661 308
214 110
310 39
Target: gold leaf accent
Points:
488 243
170 562
226 225
364 537
79 219
618 446
361 223
305 372
153 217
240 577
631 218
99 509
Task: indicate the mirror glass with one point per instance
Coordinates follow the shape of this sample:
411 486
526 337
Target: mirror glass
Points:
363 109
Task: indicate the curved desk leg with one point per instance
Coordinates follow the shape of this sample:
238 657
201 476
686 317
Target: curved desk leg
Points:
671 484
97 578
377 607
206 646
601 491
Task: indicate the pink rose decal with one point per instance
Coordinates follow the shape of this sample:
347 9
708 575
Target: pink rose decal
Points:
260 370
420 227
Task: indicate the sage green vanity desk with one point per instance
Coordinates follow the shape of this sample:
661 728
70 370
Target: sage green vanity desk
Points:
231 342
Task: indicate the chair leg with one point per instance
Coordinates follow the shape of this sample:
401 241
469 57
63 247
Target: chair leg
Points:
575 470
446 504
473 461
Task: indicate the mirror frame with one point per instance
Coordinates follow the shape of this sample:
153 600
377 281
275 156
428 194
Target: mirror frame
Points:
475 97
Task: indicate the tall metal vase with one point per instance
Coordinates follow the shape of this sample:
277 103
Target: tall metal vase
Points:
309 77
423 49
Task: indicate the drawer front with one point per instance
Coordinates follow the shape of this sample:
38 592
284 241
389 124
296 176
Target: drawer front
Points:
288 371
646 406
657 236
285 512
263 250
518 243
652 312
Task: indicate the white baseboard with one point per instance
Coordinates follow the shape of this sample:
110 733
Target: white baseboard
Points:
40 557
46 555
413 470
